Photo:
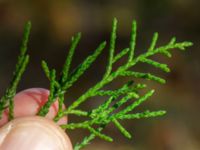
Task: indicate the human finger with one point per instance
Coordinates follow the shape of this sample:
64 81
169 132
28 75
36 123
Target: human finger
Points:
33 133
28 102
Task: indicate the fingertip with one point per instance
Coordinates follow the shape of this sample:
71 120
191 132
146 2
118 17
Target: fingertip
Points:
28 103
33 133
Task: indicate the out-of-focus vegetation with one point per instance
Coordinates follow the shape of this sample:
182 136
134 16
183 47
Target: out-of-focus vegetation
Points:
54 22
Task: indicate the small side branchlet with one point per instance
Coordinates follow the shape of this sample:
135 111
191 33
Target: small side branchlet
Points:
119 103
6 101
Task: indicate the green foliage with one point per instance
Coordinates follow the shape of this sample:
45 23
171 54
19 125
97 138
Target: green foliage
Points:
59 87
6 101
119 103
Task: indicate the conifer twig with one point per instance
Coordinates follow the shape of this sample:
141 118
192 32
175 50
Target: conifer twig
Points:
104 114
119 104
23 59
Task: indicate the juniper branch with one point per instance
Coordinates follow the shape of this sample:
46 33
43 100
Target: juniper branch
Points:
122 69
111 110
23 59
66 82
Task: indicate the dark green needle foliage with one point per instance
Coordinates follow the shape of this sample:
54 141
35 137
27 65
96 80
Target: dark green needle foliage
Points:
117 104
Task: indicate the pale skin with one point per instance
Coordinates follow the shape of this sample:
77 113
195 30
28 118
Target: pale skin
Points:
29 131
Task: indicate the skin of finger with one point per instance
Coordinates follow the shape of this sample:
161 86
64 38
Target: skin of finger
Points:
33 133
29 102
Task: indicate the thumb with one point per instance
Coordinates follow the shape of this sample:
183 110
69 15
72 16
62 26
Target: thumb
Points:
33 133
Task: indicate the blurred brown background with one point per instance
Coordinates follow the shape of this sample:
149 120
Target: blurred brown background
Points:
54 22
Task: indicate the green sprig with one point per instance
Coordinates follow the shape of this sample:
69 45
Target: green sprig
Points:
67 79
119 104
104 114
6 101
